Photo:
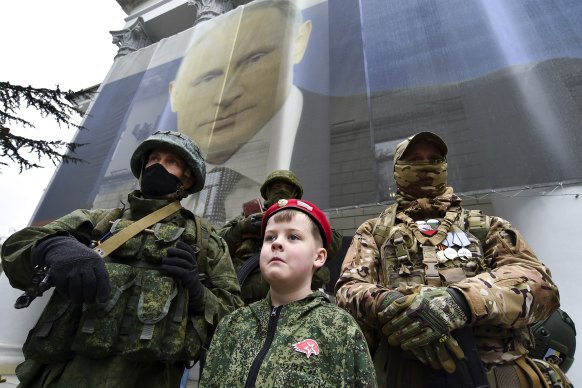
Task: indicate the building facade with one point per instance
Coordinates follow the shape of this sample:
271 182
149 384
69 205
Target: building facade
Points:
328 88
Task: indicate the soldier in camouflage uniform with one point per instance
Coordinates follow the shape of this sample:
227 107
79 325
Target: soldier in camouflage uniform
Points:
139 315
427 267
294 337
242 235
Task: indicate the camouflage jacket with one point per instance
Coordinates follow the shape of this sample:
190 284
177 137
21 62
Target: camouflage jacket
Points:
512 290
243 249
135 263
310 342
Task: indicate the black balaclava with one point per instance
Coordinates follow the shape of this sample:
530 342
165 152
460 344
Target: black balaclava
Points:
156 181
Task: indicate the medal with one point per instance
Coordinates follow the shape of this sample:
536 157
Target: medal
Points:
448 241
426 228
434 223
465 253
450 253
441 258
463 239
422 225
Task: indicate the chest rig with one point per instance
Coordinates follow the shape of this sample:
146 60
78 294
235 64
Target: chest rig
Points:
146 317
435 252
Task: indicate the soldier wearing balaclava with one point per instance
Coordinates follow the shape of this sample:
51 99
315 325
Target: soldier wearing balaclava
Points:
427 270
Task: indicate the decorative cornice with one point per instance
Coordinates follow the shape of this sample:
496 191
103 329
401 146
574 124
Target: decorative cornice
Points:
131 39
208 9
129 5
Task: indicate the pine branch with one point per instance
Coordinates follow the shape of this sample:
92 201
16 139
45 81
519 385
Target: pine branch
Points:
51 103
13 147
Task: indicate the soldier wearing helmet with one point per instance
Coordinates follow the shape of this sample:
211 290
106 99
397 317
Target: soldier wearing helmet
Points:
427 270
242 234
138 313
168 164
281 184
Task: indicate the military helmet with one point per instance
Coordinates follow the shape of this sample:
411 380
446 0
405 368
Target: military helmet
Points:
555 339
177 143
286 176
421 137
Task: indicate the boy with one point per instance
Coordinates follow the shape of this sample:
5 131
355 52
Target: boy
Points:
292 337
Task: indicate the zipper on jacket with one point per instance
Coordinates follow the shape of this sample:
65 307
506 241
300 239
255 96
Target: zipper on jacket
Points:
256 365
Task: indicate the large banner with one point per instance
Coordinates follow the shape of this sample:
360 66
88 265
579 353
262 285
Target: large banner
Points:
500 81
327 89
248 86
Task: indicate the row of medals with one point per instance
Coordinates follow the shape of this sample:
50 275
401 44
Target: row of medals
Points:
452 247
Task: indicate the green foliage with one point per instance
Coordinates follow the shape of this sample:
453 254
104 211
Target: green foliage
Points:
53 103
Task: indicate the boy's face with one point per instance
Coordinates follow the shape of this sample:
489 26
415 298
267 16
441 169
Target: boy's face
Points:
291 253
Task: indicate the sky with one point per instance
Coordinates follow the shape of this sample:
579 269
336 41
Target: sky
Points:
48 43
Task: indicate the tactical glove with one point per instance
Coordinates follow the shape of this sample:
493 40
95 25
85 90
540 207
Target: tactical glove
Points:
181 264
429 315
439 355
251 226
75 270
248 227
387 310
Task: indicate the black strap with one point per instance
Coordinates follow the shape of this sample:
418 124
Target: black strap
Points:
249 266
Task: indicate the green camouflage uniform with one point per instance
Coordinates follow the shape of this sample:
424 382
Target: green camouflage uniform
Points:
340 358
504 284
113 344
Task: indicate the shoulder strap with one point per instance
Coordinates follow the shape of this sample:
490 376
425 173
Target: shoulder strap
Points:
249 266
203 230
476 223
383 224
115 241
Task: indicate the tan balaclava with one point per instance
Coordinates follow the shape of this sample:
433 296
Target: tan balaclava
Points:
421 179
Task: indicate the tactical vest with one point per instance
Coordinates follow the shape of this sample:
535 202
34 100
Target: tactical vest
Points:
405 262
146 318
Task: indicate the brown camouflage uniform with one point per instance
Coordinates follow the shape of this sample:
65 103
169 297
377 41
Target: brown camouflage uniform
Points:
507 289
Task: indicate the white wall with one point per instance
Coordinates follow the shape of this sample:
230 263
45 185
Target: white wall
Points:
15 324
552 225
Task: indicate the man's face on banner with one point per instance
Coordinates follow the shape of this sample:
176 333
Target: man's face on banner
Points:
234 78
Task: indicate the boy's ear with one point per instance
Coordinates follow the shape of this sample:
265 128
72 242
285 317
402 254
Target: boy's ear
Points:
320 258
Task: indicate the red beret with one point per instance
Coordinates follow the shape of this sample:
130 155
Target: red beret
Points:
303 206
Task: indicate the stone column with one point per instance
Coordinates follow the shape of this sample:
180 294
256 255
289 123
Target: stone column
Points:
131 39
207 9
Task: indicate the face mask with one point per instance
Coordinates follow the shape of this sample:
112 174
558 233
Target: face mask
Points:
157 182
273 195
425 179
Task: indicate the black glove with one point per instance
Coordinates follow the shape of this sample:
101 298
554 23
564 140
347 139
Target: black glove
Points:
75 270
254 222
181 265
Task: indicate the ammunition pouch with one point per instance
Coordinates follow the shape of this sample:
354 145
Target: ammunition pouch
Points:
145 319
160 238
526 372
51 338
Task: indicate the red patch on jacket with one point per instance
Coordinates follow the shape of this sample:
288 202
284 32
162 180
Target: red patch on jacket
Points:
307 346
